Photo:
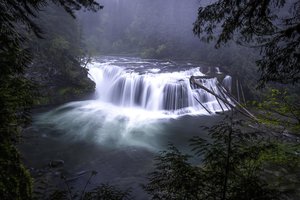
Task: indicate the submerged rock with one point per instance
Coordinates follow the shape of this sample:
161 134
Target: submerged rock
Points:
56 163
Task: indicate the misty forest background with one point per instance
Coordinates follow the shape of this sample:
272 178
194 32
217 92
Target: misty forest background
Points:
44 52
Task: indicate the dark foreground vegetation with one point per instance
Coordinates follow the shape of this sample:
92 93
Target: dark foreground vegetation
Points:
18 28
41 59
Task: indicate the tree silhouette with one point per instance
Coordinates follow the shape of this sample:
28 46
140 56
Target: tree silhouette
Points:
271 25
17 21
232 166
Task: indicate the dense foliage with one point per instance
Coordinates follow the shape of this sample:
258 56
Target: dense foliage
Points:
234 163
280 111
264 24
59 59
16 22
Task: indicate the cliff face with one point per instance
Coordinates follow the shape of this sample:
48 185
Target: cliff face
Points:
57 84
57 58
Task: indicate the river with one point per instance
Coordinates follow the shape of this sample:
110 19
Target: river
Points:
139 106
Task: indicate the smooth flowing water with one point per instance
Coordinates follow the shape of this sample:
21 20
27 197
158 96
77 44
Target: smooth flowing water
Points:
139 106
162 88
133 97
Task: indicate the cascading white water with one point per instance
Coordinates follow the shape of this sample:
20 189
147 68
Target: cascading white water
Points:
227 82
167 91
135 103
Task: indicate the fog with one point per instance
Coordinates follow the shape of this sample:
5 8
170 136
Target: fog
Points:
131 26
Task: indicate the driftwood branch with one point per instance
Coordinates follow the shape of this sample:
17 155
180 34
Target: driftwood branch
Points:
217 99
202 106
203 77
87 62
237 103
236 106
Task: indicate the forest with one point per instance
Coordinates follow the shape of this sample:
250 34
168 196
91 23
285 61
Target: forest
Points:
140 99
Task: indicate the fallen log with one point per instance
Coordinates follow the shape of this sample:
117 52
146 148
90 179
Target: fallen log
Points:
202 106
217 99
236 102
238 107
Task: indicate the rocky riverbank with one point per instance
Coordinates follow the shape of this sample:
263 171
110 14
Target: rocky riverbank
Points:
59 84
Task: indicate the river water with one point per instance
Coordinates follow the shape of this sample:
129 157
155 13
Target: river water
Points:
139 106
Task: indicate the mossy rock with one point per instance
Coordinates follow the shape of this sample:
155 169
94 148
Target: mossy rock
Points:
73 85
15 180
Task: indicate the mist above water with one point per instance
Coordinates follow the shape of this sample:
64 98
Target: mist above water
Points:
134 102
153 86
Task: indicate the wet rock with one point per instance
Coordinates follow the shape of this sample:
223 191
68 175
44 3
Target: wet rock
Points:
56 163
82 173
57 174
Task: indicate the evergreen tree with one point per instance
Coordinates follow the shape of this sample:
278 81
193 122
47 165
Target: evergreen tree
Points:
17 19
271 25
234 164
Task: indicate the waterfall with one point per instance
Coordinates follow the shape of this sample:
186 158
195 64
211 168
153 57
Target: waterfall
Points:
136 102
227 82
153 90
